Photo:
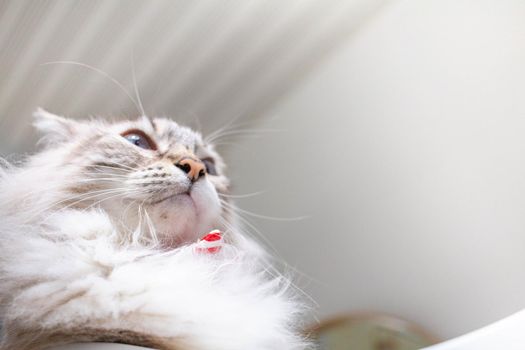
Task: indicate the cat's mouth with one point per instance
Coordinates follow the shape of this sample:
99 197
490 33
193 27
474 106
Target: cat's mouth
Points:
185 194
179 218
182 215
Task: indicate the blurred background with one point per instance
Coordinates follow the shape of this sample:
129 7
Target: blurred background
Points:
396 127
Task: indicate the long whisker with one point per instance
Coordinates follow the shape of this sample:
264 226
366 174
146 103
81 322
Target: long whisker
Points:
114 166
247 195
228 126
271 270
255 231
100 175
151 227
36 194
99 71
80 198
274 257
135 86
239 133
86 196
116 194
266 217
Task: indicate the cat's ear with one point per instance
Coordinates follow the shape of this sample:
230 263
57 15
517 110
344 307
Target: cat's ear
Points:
55 129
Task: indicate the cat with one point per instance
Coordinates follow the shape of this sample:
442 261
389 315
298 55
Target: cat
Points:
96 234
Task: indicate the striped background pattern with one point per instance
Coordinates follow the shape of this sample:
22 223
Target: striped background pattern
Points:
202 62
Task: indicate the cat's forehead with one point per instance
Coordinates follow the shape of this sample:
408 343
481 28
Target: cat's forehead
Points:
169 130
164 131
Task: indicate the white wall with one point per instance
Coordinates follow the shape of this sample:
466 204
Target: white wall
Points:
407 151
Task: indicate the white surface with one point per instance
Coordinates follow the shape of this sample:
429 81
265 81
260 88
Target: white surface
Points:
407 151
506 334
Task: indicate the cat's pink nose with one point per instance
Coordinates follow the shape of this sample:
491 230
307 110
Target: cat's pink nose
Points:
193 167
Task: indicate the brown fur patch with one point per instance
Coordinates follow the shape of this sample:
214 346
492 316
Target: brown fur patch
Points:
30 339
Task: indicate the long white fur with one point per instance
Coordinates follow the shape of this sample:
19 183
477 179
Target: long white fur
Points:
67 269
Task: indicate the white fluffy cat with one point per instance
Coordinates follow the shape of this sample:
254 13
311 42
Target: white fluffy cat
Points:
95 242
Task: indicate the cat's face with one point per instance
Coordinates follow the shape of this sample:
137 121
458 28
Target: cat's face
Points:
146 170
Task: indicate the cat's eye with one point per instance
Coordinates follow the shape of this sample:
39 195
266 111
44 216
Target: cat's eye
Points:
139 139
209 163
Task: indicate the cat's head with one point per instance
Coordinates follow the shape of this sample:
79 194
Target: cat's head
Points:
140 171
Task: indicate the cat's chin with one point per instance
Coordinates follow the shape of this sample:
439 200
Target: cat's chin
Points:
183 218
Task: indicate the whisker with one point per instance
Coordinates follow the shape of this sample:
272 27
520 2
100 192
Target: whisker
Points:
116 194
135 86
80 198
247 195
151 227
271 270
36 193
120 167
99 71
256 232
240 133
260 216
